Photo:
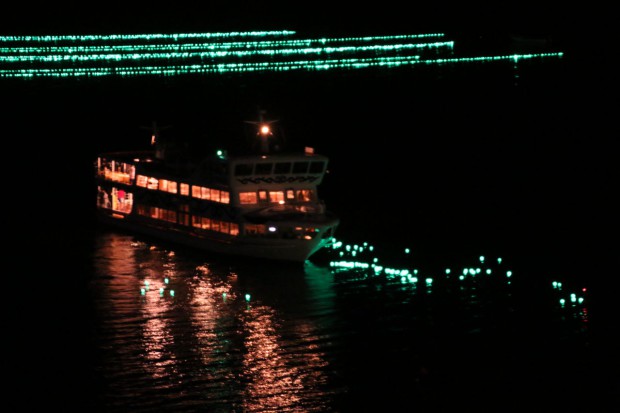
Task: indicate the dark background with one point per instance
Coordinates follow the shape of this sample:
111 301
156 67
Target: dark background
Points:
448 161
519 158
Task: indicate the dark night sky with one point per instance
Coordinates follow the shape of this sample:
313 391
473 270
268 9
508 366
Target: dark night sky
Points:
106 17
584 29
575 31
583 32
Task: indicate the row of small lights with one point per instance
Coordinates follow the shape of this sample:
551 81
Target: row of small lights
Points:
146 37
226 50
213 68
214 54
385 62
408 275
226 45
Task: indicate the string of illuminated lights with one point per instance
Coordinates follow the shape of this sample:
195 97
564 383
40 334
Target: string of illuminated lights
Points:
126 60
216 54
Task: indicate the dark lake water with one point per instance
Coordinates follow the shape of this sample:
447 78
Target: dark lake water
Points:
453 163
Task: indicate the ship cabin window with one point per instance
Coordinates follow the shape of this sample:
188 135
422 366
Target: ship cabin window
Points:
210 194
196 192
168 186
255 229
234 229
243 169
300 167
224 197
205 193
215 225
225 227
141 181
201 222
246 198
262 196
263 168
290 195
116 171
317 167
304 195
276 196
157 213
116 199
152 183
282 168
184 189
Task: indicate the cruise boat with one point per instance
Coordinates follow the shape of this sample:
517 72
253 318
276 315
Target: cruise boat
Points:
261 204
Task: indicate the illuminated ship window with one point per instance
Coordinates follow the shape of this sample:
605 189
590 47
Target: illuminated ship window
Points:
290 194
184 189
196 192
234 229
317 167
263 168
157 213
300 167
152 183
115 199
255 229
116 171
205 193
276 196
141 181
243 169
304 195
168 186
201 222
282 168
224 227
215 195
224 197
246 198
210 194
262 196
184 214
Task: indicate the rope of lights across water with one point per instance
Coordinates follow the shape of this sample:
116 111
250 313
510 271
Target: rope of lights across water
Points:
262 66
211 46
117 57
147 37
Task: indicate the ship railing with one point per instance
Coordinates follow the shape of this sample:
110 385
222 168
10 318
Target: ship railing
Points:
298 208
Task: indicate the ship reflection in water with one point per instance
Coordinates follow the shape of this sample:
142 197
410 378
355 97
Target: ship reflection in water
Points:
348 331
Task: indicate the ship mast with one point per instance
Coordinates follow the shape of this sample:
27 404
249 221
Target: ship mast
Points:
160 150
264 131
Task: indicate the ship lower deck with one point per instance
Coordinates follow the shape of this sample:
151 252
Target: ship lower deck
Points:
262 247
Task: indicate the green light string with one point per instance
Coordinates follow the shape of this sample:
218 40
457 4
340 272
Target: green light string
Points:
117 57
148 37
385 62
208 46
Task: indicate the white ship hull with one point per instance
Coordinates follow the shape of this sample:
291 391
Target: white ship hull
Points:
274 249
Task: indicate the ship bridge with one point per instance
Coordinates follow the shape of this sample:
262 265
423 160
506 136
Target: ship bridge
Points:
277 171
276 178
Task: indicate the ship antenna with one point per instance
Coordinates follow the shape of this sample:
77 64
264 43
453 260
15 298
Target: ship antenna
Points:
155 141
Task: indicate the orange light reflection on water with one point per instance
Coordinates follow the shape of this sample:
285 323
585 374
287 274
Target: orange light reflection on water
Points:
278 379
157 337
253 355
